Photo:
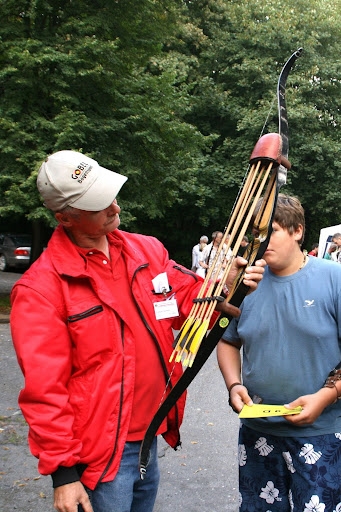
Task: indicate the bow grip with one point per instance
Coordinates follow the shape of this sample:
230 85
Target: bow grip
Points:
269 148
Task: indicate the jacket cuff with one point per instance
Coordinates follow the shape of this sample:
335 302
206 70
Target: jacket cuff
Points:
65 475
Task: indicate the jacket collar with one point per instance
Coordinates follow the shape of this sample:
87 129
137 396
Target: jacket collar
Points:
68 261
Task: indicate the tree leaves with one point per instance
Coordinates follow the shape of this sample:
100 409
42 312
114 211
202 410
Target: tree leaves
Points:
173 94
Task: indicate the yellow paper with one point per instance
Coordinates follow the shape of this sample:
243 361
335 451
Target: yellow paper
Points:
263 411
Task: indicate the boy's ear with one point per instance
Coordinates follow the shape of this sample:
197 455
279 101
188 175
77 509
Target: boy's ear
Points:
299 232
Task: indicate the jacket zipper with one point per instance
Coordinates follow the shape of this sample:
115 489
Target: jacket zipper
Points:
167 377
190 273
85 314
119 415
151 332
149 329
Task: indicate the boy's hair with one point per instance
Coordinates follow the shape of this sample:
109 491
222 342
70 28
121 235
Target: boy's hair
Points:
289 214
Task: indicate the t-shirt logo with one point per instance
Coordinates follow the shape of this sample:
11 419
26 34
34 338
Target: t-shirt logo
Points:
309 303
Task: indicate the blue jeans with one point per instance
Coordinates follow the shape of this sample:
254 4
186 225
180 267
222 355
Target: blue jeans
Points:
127 492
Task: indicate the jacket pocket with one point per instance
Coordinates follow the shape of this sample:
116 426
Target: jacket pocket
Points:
85 314
94 331
95 400
80 393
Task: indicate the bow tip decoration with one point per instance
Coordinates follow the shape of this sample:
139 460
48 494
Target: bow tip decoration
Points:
269 148
192 347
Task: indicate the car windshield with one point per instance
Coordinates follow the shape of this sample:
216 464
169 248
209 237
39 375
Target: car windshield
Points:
21 240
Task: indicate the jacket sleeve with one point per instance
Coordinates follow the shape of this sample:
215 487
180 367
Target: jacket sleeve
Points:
43 348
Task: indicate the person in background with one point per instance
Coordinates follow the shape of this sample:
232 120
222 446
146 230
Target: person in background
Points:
336 239
336 255
93 346
243 246
314 250
290 334
197 249
331 249
208 254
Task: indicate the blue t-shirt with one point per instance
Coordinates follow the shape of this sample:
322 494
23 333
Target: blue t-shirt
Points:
290 330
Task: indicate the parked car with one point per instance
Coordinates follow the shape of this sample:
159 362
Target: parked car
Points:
15 251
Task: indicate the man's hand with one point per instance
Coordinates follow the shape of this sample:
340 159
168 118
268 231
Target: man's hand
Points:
253 275
68 497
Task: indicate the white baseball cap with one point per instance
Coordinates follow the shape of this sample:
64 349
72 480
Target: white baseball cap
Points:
69 178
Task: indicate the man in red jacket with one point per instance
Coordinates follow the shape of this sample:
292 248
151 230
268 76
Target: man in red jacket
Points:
93 346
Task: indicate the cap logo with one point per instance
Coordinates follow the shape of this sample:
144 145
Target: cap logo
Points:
81 172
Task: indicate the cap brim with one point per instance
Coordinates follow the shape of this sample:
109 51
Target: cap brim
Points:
102 192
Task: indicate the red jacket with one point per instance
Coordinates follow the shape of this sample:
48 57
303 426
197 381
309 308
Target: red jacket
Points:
77 361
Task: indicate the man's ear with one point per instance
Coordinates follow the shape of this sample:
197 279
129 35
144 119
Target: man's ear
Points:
64 219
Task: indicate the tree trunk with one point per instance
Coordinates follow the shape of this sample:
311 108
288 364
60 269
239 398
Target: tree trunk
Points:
37 240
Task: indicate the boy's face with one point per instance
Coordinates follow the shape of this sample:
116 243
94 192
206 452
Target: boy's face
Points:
283 249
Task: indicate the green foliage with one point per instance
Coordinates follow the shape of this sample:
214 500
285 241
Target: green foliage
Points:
74 78
237 51
173 94
5 304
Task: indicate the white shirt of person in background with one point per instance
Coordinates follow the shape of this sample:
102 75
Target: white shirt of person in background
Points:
208 254
196 251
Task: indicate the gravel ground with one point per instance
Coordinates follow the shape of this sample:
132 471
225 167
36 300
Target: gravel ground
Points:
7 280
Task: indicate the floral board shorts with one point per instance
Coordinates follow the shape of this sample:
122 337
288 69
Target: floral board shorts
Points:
289 474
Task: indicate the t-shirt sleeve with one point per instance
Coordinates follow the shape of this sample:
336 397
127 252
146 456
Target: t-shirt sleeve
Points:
231 333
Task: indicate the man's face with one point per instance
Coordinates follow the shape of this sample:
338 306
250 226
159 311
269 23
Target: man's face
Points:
96 224
282 247
337 241
218 239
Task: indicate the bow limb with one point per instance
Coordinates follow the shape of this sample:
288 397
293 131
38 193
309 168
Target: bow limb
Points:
266 146
282 109
269 162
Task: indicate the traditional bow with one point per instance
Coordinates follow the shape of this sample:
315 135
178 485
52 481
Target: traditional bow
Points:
267 171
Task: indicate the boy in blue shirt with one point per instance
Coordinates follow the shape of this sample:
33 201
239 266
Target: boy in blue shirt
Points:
290 333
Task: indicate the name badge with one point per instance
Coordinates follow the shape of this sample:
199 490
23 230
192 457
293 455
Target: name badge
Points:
166 309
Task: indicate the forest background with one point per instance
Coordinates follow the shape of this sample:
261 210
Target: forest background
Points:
173 94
